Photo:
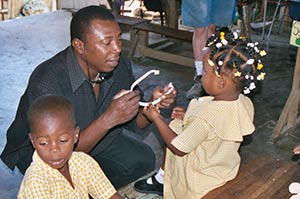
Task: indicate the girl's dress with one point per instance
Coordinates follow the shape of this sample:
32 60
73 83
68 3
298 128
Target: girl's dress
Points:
210 133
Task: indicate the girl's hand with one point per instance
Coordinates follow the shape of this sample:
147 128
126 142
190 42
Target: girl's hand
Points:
152 112
178 112
297 150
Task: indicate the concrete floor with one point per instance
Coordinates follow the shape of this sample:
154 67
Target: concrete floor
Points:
28 41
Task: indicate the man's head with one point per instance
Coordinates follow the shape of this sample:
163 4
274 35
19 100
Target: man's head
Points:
96 40
53 130
82 20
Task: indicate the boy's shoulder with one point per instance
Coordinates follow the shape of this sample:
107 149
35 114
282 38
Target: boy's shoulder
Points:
81 159
77 155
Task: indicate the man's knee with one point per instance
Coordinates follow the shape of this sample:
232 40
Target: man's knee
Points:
147 157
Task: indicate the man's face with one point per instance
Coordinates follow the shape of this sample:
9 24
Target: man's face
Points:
102 45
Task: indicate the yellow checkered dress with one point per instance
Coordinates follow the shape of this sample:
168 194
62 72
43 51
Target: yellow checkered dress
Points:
210 133
42 181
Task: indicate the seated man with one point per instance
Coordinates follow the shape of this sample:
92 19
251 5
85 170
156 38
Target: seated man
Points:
90 73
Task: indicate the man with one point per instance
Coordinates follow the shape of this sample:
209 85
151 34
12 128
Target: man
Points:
93 75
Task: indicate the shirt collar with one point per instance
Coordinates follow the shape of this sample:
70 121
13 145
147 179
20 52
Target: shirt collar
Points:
40 163
76 74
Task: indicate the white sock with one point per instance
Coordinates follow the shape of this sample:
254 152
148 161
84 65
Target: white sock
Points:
199 67
159 177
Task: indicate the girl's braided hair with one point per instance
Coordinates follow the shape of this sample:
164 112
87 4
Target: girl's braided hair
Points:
230 52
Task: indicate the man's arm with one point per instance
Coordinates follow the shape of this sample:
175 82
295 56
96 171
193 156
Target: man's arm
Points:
118 112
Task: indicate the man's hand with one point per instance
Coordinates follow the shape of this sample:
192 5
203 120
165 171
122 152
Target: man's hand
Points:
167 99
123 107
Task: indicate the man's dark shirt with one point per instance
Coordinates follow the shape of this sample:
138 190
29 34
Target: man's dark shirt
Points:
62 75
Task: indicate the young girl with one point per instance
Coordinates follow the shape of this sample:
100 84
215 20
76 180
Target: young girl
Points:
202 145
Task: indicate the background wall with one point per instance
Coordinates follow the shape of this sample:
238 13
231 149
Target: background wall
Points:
76 4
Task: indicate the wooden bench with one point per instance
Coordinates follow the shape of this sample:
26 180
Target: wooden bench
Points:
263 178
129 21
140 43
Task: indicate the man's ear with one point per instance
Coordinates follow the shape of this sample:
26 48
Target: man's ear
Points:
78 45
76 135
31 139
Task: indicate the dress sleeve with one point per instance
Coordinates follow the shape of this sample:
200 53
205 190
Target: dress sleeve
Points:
98 184
192 135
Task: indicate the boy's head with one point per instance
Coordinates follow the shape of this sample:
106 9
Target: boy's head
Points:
53 130
236 57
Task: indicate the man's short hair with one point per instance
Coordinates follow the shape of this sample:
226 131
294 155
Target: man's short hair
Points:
81 21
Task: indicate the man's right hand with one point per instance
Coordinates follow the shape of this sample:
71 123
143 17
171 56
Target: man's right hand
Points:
123 107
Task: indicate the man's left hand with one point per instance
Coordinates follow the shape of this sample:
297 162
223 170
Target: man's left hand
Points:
167 99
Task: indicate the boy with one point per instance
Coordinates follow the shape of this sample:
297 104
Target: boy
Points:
57 171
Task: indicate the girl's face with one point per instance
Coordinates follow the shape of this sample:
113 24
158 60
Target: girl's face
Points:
54 139
209 77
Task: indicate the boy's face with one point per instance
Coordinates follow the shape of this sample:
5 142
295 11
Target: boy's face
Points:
54 139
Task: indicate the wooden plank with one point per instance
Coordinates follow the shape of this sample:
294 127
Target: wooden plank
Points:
282 121
129 21
296 79
250 172
169 32
288 116
165 56
265 177
279 177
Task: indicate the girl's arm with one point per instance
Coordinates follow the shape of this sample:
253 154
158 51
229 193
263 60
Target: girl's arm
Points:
166 132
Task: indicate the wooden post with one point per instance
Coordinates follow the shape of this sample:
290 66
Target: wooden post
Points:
58 4
172 13
288 117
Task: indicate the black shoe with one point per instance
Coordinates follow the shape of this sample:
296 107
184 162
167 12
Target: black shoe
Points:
143 187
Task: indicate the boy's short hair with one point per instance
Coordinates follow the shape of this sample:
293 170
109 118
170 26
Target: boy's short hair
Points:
50 106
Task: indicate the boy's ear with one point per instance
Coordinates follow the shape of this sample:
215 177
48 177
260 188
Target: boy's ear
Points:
31 139
78 45
76 135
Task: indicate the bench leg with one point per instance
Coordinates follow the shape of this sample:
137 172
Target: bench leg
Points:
138 38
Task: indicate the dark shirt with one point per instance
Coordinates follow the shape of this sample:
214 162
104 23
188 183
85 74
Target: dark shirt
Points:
62 75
